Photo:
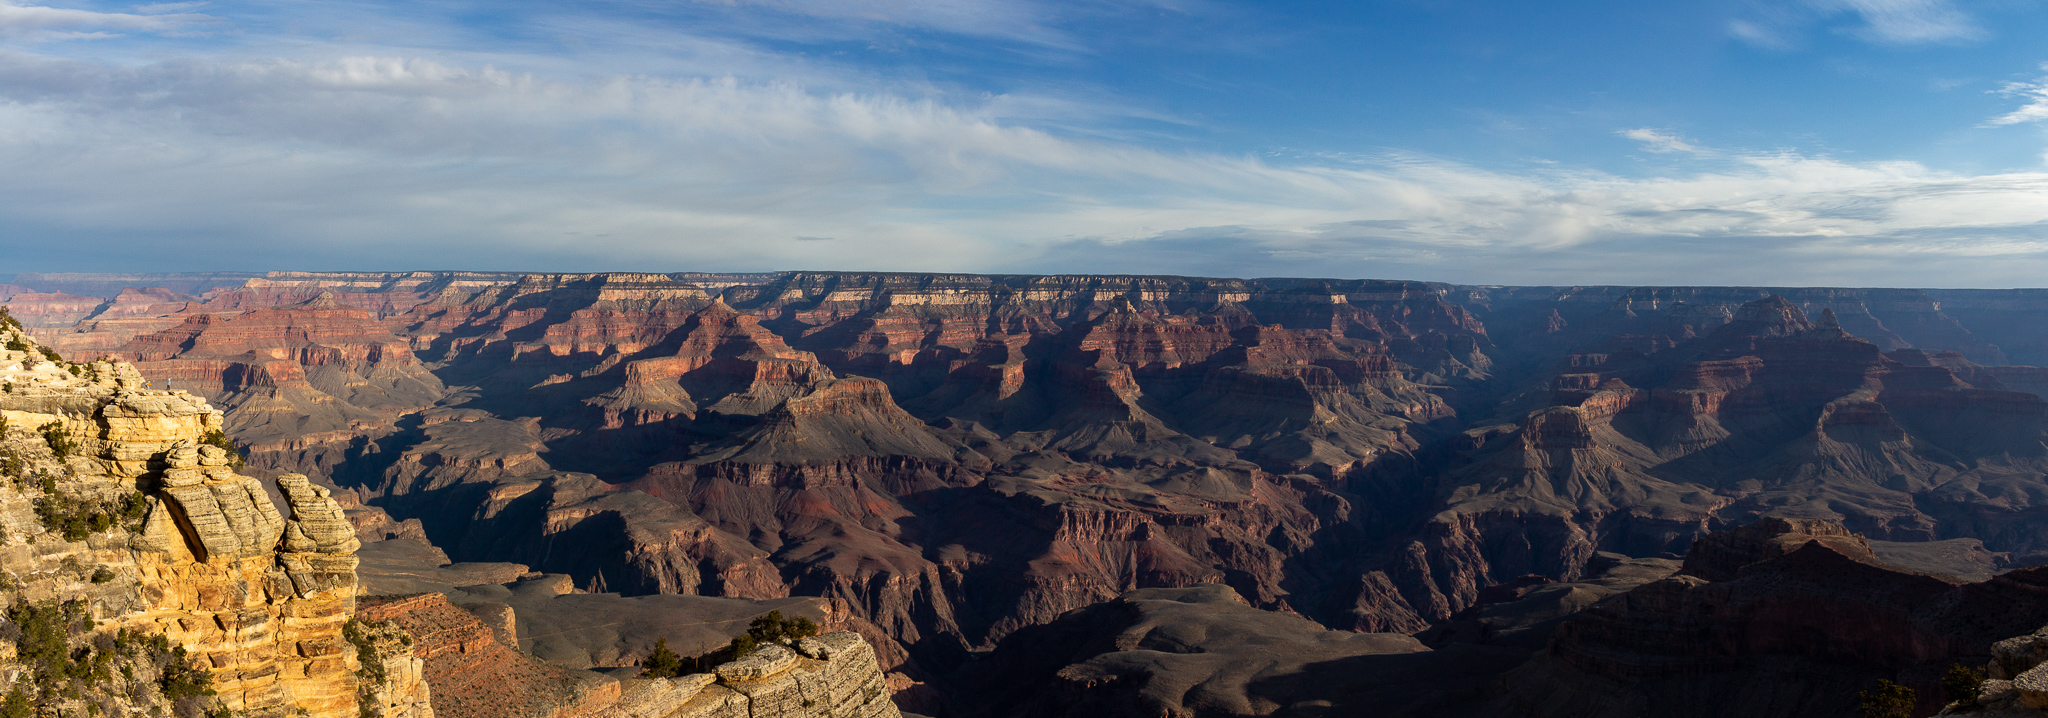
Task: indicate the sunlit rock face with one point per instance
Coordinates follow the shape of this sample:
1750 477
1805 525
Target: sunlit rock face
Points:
255 593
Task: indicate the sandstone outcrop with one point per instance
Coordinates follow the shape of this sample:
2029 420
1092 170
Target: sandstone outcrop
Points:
828 676
113 502
2015 685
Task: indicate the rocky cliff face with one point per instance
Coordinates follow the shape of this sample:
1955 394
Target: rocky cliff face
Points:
1760 605
828 676
113 506
2014 683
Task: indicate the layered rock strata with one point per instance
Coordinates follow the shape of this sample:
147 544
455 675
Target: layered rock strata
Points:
257 597
829 676
471 674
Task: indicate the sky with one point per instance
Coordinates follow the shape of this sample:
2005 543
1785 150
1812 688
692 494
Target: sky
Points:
1785 143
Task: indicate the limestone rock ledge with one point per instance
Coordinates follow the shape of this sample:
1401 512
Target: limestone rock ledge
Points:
2017 685
255 595
830 676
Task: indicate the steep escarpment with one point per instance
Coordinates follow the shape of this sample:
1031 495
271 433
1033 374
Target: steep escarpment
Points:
123 528
1781 618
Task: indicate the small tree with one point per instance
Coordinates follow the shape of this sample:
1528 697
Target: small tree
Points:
662 663
59 440
1887 700
1962 684
217 438
773 628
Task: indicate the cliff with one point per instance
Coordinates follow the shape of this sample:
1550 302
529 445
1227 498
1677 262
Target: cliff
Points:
1779 618
116 510
828 676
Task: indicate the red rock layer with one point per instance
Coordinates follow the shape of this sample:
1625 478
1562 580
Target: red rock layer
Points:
472 675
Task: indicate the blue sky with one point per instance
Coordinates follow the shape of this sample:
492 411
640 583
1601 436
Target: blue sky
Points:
1799 142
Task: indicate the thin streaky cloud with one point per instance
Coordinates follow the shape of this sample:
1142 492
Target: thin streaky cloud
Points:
36 22
1655 141
2036 95
1912 22
1776 26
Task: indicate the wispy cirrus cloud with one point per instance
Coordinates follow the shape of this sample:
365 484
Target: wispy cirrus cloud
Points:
1909 22
37 23
1885 22
1656 141
2035 94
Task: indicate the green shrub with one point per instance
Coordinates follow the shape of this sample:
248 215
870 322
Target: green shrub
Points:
217 438
52 355
358 634
17 704
773 628
1962 684
1886 700
15 343
370 670
132 510
44 648
75 519
102 575
770 629
662 663
59 440
180 680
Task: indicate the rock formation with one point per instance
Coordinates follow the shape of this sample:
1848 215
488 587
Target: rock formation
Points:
2015 684
473 675
828 676
113 502
950 459
1779 618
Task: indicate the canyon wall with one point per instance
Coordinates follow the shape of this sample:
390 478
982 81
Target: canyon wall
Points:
951 459
112 503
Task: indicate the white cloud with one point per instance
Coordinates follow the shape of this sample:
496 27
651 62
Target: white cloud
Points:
2036 95
1889 22
407 162
1911 22
1655 141
1014 19
35 22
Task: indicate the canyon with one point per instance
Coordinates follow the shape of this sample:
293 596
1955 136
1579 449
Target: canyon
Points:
1488 498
